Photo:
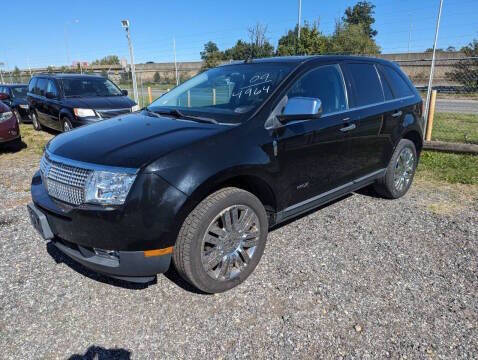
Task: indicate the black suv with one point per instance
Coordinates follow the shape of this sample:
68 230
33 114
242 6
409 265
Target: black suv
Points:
66 101
17 100
204 172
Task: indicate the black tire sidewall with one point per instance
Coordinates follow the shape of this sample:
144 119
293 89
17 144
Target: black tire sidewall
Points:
18 116
201 278
389 181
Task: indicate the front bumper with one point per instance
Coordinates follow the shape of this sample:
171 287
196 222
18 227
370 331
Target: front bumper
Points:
9 130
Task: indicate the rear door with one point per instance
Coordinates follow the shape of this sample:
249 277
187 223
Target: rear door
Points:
370 144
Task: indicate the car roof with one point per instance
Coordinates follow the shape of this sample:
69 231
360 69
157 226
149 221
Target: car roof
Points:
307 58
67 75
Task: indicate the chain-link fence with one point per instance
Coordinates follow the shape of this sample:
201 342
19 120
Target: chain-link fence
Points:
456 82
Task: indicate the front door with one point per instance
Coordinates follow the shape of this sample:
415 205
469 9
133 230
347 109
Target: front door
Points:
312 155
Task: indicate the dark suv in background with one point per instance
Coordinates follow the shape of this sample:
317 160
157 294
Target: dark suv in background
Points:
66 101
201 174
16 99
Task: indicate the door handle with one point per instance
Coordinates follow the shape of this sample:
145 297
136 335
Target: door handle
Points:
397 114
348 128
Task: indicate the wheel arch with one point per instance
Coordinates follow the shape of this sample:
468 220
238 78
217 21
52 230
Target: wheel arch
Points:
414 136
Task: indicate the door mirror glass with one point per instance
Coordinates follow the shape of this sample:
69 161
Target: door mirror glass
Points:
124 92
301 108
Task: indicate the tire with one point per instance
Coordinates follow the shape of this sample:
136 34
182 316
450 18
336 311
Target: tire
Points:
238 259
66 124
400 171
18 116
36 124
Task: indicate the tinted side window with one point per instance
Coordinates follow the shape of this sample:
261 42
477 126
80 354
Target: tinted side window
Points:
31 86
368 89
399 86
41 87
51 88
324 83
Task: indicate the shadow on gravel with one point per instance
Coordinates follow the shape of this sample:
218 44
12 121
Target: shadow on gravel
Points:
59 258
13 147
171 274
369 191
100 353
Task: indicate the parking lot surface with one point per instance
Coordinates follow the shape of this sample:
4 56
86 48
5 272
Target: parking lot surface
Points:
361 278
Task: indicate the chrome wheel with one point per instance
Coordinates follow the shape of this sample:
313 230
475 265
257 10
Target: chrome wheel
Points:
66 126
35 121
17 116
230 242
404 169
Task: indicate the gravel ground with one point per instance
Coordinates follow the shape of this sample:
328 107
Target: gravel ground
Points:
361 278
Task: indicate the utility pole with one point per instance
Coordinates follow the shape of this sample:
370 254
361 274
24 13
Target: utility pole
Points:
125 24
432 69
1 72
410 37
175 63
299 21
67 47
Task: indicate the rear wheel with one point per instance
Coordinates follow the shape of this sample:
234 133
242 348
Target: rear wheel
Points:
222 240
400 171
36 124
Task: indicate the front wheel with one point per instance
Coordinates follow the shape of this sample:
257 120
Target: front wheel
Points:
17 116
66 125
400 171
36 124
222 240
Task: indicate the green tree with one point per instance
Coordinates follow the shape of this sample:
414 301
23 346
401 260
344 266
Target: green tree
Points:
311 41
17 74
465 71
361 14
352 39
156 77
211 55
107 60
49 69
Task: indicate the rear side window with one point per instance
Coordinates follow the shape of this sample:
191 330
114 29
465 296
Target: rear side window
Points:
399 86
41 87
324 83
368 89
31 86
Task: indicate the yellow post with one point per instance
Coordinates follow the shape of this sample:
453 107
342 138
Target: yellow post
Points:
431 115
150 94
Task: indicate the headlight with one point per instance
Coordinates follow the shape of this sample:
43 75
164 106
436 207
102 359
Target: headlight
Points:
135 108
84 112
24 106
107 188
4 116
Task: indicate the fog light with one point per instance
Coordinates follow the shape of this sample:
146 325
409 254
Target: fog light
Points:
108 254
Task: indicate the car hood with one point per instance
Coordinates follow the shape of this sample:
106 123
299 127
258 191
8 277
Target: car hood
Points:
132 140
107 102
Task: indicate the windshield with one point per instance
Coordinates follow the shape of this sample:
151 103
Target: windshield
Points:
19 91
226 94
85 87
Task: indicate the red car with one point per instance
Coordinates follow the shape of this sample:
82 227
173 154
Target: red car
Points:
9 130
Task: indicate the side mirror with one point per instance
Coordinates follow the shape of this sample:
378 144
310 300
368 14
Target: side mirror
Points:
301 108
50 95
124 92
4 96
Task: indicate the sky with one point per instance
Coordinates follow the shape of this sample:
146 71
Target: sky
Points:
38 33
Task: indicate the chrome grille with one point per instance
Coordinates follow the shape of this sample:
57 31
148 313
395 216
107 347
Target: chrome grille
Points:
64 182
109 113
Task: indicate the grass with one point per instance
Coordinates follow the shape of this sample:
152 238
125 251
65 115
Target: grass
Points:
450 168
454 127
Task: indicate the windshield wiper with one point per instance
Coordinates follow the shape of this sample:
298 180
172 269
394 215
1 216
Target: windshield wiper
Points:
178 114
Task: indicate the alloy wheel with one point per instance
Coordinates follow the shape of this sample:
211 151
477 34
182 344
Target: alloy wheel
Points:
66 126
404 168
230 242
